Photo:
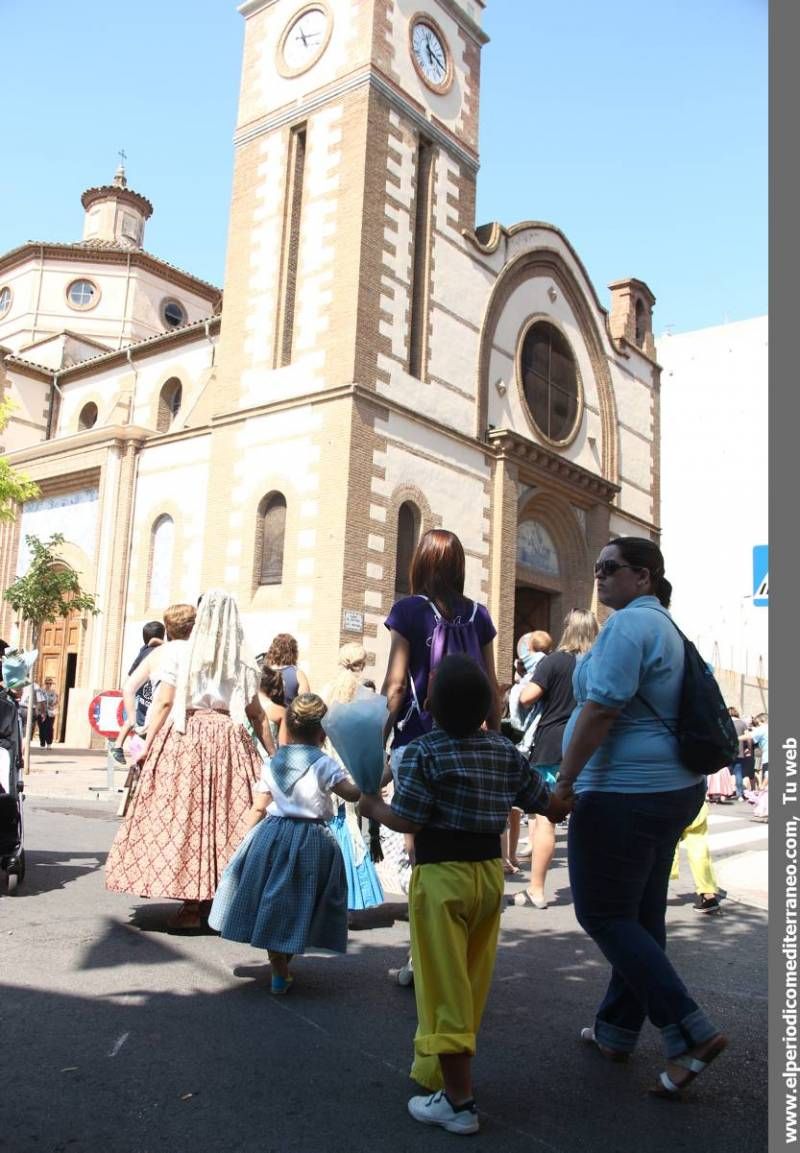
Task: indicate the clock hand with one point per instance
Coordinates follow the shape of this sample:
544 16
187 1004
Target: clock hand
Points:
302 36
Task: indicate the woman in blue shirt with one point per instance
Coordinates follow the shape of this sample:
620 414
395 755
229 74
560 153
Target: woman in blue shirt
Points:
632 799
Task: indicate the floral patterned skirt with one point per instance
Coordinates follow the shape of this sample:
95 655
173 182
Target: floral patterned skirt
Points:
189 811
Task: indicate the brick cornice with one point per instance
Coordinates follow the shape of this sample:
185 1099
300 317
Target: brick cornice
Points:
367 77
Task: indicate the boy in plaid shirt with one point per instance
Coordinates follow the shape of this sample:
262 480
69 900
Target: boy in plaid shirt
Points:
455 787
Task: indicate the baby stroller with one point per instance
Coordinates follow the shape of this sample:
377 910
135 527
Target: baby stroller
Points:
12 853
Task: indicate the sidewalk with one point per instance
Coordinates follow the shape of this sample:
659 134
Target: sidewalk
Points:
60 773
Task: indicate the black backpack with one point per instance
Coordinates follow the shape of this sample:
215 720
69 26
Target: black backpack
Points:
706 735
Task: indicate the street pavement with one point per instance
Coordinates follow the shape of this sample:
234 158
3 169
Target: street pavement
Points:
121 1038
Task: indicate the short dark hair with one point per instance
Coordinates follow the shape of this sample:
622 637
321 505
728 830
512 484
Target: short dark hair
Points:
153 630
460 696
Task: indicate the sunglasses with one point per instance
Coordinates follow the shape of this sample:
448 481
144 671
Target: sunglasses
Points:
607 568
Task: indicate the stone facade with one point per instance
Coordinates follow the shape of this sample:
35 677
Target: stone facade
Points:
368 357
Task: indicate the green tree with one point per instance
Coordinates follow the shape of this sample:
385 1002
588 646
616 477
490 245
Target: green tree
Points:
49 589
15 487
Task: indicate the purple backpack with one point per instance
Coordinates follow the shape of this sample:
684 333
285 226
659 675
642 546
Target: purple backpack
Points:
448 637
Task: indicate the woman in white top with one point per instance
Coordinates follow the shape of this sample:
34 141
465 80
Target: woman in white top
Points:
285 888
200 769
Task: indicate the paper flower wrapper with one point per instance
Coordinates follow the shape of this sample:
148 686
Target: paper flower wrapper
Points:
355 730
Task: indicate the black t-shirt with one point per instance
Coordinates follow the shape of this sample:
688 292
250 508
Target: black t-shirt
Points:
554 675
144 694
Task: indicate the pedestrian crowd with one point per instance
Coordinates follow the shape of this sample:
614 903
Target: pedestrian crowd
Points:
246 810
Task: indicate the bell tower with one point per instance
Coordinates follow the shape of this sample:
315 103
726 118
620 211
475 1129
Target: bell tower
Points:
356 143
354 181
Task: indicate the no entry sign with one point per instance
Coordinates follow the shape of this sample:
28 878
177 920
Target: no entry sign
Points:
107 713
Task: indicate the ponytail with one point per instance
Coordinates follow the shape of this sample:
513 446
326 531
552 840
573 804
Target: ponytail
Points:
663 590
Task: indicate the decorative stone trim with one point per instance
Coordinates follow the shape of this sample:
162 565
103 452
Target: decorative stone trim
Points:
548 466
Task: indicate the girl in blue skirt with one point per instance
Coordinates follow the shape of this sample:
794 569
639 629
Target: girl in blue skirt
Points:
285 888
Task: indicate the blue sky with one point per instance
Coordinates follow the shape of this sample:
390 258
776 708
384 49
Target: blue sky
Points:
639 129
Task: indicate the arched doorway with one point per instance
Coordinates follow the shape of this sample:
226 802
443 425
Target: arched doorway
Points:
59 650
537 596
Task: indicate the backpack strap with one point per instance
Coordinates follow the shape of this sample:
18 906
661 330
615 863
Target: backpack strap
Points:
647 705
640 696
438 616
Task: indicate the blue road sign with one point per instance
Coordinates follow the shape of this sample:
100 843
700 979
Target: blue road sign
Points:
761 575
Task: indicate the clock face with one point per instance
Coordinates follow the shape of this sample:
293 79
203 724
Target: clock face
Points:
430 54
305 38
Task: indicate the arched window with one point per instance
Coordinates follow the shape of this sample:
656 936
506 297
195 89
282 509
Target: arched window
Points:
270 535
550 380
88 416
169 404
641 323
408 521
162 546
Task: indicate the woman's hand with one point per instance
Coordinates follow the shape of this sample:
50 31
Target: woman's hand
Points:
562 801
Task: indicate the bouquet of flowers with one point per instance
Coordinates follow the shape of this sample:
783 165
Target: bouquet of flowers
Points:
355 729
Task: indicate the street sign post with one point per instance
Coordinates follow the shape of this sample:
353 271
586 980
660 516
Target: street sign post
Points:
106 717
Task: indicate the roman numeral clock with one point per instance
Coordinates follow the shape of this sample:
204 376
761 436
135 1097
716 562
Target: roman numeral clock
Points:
431 54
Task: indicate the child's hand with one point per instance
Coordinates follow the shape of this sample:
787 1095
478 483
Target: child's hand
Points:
561 803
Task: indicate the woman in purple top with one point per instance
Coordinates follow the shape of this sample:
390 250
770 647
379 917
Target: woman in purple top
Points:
437 579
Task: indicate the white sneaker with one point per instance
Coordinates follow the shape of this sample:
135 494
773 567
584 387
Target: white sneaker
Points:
403 976
437 1110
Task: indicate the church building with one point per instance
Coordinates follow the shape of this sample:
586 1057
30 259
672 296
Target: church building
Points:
379 365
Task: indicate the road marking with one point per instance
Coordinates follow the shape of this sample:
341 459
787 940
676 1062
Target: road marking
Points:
120 1041
733 838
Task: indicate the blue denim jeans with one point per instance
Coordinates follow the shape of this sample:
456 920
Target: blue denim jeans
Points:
620 849
741 768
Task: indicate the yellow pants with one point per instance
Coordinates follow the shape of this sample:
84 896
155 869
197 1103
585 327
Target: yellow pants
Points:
696 838
454 915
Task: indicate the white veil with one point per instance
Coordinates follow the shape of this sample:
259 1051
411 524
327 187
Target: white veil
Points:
217 656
